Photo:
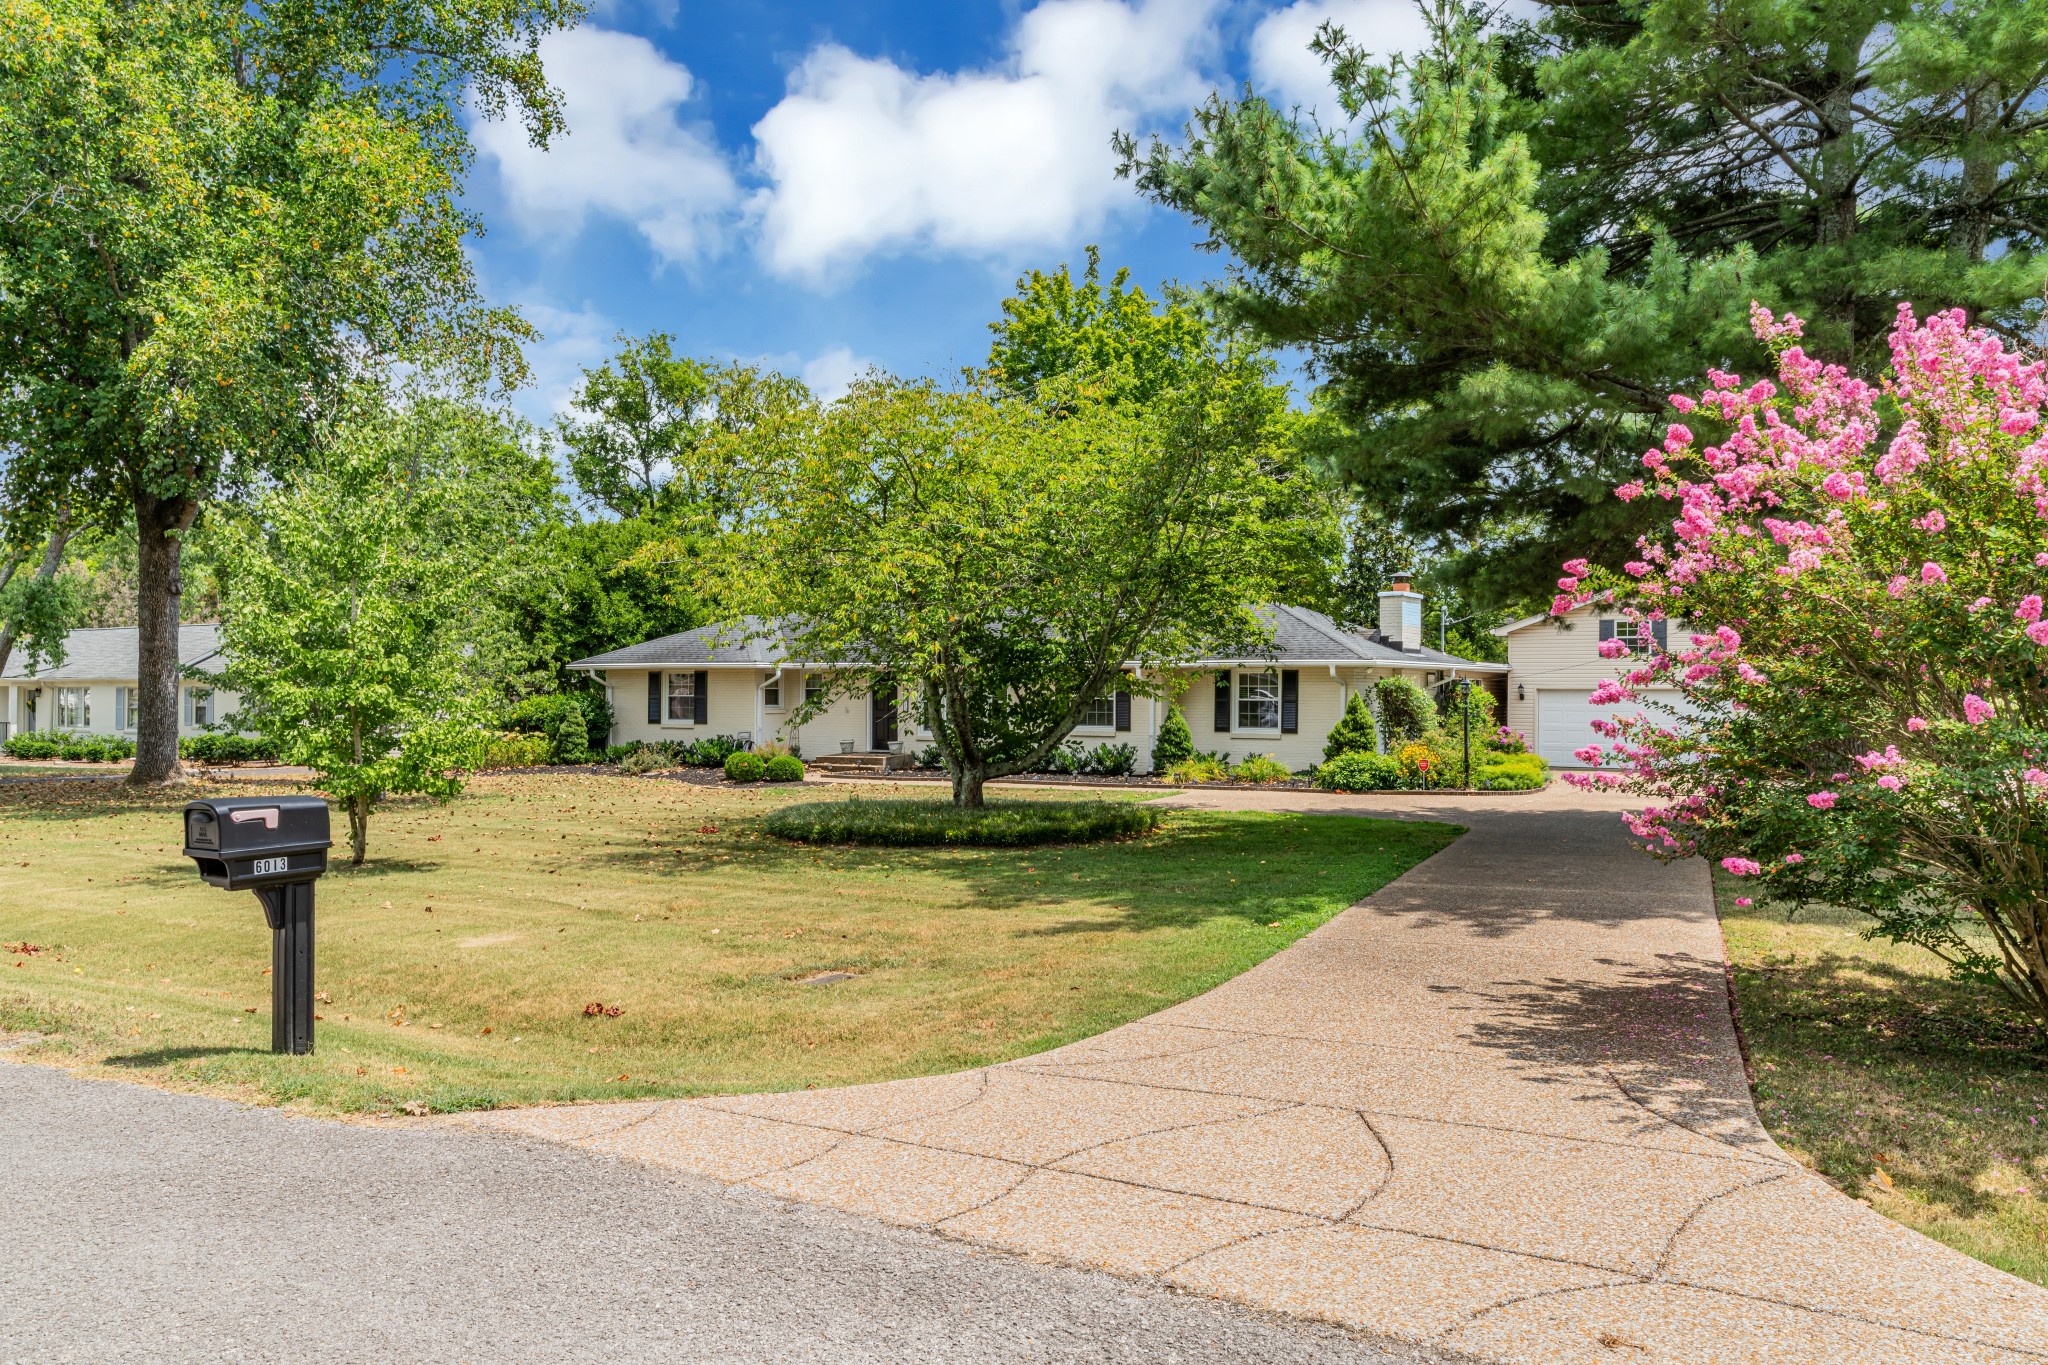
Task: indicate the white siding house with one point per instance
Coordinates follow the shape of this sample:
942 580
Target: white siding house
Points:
1554 664
93 690
735 681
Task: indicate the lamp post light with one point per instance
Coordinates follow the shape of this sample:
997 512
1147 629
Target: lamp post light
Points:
1465 713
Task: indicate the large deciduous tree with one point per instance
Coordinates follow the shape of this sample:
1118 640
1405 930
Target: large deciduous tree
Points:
361 638
212 218
1503 254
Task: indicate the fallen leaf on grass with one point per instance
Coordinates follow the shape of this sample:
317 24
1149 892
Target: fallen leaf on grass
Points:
598 1008
25 949
1881 1178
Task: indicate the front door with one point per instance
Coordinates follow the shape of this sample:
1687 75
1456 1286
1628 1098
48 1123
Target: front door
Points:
882 716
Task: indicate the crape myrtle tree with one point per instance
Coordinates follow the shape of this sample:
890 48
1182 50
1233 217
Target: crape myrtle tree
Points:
1502 254
362 639
1864 715
212 217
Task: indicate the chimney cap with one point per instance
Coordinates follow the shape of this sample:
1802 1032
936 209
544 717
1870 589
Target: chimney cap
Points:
1400 578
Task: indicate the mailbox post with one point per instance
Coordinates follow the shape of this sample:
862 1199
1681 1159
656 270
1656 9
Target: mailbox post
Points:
276 847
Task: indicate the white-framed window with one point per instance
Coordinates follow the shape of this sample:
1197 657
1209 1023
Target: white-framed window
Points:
1636 635
814 689
1099 714
198 706
74 708
1258 699
682 696
124 708
771 693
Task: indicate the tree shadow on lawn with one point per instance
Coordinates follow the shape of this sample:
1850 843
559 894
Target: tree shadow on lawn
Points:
164 1056
1199 867
1861 1062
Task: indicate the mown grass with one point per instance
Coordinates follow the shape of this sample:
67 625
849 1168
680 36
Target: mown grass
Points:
458 965
930 822
1925 1098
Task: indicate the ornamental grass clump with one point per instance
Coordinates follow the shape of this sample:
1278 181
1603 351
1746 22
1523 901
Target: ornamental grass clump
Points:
1864 700
998 824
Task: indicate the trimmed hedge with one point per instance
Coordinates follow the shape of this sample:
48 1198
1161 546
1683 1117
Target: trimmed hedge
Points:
745 767
1384 772
221 750
1511 773
1361 772
71 748
785 768
1000 824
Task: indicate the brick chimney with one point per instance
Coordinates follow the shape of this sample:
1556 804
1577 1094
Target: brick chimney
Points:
1401 613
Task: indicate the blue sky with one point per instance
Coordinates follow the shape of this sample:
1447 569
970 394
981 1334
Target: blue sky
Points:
829 186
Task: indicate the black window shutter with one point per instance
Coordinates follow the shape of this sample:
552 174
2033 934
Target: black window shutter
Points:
1657 629
1290 701
654 698
1123 710
1607 629
700 703
1223 703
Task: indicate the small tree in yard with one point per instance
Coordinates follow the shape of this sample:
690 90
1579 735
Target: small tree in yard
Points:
999 560
1176 742
1355 732
355 636
1867 725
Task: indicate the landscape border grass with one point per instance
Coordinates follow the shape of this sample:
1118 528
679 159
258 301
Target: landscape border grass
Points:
908 822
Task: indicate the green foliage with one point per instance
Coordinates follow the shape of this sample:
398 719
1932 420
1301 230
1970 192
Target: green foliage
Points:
709 752
1175 744
784 768
72 748
38 608
632 419
33 745
583 588
1475 704
641 759
912 527
1509 772
745 767
1406 712
511 749
560 718
597 716
1355 732
999 824
1199 768
1104 760
1129 349
1374 551
222 750
1504 252
219 217
359 624
1361 771
1261 768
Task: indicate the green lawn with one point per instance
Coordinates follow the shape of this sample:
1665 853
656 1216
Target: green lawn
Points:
461 961
1927 1099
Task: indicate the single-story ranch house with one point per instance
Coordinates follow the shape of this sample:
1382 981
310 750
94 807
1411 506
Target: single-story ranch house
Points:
1553 666
93 690
1282 703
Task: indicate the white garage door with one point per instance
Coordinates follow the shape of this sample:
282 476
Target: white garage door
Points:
1564 720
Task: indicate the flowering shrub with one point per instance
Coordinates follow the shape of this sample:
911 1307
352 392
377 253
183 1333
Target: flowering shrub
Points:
1866 722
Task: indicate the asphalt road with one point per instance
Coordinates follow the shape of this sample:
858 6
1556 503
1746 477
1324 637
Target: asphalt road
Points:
137 1225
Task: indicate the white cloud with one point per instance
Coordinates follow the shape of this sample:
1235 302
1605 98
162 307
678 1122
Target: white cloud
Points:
571 342
832 372
1284 68
626 153
862 155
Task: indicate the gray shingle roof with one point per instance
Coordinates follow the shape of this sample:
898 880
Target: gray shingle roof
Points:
109 655
1299 636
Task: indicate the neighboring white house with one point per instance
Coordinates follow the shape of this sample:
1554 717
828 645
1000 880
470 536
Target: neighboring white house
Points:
93 690
1554 664
1283 703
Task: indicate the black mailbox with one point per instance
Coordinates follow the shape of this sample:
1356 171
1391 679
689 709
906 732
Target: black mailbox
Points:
249 842
275 846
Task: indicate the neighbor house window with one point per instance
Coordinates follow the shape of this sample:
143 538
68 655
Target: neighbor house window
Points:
1258 700
1636 635
198 706
771 695
682 696
124 708
814 690
1100 714
74 708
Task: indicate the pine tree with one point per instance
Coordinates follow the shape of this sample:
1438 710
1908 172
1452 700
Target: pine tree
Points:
1356 733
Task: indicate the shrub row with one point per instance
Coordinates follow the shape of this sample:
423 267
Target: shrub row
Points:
74 748
509 750
745 767
1000 824
221 750
1361 772
1206 767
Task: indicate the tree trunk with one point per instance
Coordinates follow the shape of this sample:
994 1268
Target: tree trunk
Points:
1971 235
1838 175
159 522
967 785
53 560
358 829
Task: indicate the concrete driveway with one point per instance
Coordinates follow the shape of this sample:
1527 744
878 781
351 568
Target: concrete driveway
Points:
1497 1109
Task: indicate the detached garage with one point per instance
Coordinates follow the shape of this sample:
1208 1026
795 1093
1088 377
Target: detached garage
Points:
1554 665
1564 720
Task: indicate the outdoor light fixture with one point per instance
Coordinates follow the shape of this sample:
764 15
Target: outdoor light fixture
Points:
1521 692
